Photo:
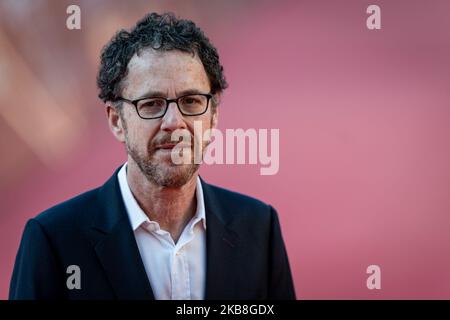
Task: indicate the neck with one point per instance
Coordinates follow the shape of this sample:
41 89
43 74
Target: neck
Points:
172 208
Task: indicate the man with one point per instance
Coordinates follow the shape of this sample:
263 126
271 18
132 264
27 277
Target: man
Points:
155 229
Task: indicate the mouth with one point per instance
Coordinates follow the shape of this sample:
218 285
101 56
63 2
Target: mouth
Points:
170 146
166 146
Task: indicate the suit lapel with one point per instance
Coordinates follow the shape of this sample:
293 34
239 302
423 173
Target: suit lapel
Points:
115 245
222 250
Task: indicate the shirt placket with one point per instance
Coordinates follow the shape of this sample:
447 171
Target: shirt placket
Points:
180 269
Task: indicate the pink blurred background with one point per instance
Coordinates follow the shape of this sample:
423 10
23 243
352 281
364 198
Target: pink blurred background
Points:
364 119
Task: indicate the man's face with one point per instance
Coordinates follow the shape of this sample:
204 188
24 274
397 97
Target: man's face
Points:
168 74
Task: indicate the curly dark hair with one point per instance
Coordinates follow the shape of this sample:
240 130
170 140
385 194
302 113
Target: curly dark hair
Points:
160 32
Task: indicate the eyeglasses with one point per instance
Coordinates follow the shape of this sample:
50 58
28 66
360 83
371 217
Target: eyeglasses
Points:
156 107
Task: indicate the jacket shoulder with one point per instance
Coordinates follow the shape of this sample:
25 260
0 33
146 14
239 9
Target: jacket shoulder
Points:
234 196
240 205
70 212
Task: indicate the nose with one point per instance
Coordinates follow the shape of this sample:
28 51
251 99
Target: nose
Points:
173 119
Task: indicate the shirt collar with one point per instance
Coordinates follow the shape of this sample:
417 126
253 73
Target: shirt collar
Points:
137 216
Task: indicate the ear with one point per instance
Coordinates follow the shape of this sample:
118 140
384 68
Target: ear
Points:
115 122
215 116
215 119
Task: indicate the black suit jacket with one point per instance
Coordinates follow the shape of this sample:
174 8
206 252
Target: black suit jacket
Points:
245 259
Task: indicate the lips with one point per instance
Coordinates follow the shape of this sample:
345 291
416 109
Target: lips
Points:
169 146
166 146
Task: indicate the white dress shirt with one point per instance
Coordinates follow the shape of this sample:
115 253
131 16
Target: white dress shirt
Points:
176 271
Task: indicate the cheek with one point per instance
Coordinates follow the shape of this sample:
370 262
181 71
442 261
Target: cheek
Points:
141 133
203 125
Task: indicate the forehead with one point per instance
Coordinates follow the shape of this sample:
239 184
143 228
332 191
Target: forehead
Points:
164 71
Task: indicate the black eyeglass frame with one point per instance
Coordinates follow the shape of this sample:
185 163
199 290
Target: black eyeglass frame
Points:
168 102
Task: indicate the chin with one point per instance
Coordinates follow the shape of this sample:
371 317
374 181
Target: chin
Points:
170 175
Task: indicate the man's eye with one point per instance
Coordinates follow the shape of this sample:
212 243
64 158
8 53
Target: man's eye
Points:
153 103
191 101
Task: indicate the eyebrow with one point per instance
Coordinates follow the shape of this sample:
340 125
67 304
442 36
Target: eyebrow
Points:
161 94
